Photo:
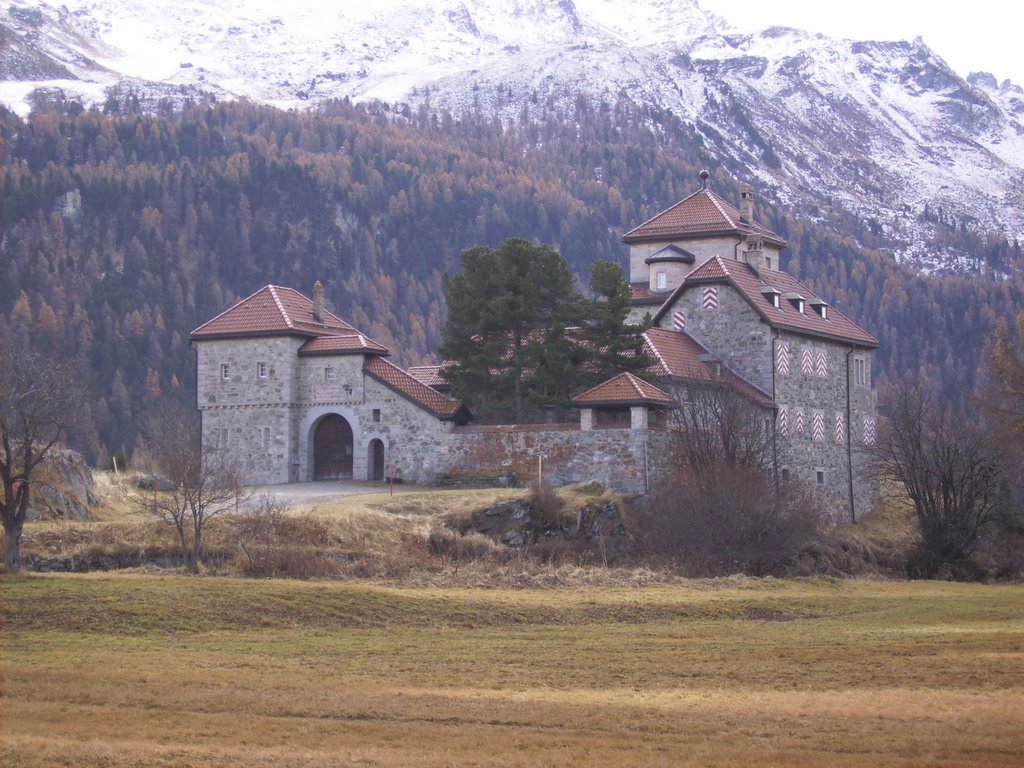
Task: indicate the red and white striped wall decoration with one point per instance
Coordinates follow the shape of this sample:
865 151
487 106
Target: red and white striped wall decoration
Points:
870 431
840 428
679 321
818 427
822 364
807 362
709 297
782 355
799 422
784 421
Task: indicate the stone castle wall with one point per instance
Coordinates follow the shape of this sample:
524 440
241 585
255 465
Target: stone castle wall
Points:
625 459
820 439
247 406
731 330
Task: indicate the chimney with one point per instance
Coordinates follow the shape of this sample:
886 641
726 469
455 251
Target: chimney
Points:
755 254
318 301
747 203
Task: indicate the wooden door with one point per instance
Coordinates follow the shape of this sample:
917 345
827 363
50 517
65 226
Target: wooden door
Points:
332 449
377 459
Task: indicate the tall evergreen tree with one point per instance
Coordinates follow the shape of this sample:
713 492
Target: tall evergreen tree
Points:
508 313
615 345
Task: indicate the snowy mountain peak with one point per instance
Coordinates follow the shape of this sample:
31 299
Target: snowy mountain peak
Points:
878 128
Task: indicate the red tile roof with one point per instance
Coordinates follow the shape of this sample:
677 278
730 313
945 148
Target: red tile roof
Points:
750 285
342 344
702 214
679 356
624 389
414 390
431 376
642 294
271 311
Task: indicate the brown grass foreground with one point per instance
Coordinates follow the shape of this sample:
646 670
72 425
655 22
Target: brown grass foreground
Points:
136 670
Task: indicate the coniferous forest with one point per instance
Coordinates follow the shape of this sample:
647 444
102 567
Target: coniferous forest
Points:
122 230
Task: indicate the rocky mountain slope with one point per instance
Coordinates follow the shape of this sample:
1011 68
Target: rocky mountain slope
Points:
882 131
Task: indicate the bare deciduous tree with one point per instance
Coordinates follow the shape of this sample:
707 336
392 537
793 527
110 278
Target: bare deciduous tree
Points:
37 408
204 484
718 423
951 467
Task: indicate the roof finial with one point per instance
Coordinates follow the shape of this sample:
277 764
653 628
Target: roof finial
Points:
704 179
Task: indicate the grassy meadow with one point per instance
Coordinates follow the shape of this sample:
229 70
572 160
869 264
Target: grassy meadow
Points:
134 669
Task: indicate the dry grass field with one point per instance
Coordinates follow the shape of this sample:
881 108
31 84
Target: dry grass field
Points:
121 670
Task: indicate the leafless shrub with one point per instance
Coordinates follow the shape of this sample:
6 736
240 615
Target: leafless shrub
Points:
723 519
460 548
273 543
546 506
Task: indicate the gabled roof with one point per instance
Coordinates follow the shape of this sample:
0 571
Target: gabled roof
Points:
342 344
272 311
414 390
702 214
624 389
680 356
786 316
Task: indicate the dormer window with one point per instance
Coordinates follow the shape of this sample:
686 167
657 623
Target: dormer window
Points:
773 296
798 302
660 280
820 307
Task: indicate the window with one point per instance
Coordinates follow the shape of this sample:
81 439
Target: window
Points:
328 374
376 414
261 370
660 280
265 437
785 476
861 375
225 372
223 441
768 262
819 475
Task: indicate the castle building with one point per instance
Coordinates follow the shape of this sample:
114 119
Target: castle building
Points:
292 392
708 273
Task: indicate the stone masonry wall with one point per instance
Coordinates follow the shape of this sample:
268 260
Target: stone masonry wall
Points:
625 459
732 330
246 408
818 441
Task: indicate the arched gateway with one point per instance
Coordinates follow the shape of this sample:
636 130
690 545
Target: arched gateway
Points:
332 449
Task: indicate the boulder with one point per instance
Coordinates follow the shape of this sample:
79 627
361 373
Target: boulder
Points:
62 487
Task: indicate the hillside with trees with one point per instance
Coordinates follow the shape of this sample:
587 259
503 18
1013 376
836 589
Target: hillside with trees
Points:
122 230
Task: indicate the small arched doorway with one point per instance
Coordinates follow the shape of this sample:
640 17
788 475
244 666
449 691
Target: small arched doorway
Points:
332 449
375 459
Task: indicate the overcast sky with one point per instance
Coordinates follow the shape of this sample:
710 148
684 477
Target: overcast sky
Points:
985 35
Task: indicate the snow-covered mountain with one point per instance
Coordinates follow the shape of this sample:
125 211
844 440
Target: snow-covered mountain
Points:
879 129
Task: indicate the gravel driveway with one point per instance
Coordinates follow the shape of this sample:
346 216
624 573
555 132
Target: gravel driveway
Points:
300 493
